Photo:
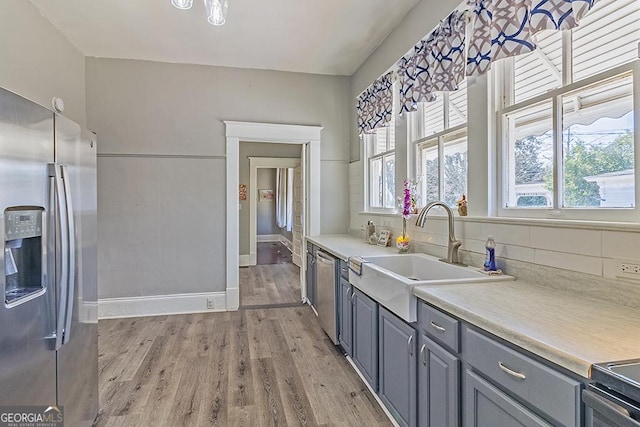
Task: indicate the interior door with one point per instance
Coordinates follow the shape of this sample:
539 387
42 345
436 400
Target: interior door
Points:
27 359
78 357
297 215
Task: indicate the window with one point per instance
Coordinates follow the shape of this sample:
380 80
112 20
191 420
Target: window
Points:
567 125
441 147
380 152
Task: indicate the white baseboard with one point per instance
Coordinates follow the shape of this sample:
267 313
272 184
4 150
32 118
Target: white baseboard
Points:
248 260
286 242
88 312
160 305
268 238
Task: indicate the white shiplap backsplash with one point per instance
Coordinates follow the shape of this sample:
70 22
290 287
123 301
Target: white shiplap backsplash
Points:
575 257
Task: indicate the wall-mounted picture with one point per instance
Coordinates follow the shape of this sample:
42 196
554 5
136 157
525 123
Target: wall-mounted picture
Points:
266 195
243 191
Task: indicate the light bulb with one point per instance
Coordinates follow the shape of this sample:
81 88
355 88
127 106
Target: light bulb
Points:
182 4
216 11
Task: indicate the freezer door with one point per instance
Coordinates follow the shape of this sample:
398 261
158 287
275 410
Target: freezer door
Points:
27 360
78 356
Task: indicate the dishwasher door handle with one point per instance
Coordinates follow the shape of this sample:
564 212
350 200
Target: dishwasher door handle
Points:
608 409
320 256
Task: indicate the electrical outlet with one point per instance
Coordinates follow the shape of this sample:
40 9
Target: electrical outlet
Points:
210 305
628 270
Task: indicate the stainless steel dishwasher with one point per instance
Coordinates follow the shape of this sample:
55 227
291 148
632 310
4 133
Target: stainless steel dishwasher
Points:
326 293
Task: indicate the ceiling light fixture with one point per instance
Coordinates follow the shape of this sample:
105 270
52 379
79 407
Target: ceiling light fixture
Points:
216 10
182 4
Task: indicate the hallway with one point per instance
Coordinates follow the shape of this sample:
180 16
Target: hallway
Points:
274 281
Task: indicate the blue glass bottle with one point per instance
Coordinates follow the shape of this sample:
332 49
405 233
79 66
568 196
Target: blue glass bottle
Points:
490 259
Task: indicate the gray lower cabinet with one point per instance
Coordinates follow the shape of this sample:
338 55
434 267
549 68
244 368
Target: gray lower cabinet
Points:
397 351
438 386
553 396
365 337
487 406
345 316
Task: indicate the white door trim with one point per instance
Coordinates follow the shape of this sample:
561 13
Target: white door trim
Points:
270 133
256 163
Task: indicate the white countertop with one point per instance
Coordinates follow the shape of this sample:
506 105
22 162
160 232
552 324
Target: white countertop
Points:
563 327
343 246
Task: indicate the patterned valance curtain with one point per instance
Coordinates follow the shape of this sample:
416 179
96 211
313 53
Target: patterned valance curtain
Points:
436 64
504 28
375 105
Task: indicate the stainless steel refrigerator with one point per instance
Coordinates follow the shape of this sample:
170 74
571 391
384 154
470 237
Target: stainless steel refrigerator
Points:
48 313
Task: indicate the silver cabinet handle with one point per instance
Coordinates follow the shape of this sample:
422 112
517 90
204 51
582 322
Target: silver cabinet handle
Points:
511 372
437 327
353 294
422 354
409 341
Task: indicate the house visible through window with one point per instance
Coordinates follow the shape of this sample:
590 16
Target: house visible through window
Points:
441 147
567 126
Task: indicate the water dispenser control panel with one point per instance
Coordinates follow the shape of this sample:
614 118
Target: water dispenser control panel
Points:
22 224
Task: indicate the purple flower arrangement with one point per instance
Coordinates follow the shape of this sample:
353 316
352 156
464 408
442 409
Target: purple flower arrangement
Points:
407 203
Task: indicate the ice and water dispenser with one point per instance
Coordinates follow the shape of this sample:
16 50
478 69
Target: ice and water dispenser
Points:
24 254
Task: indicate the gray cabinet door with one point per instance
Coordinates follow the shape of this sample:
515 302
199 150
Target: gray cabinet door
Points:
345 315
397 388
487 406
365 337
438 386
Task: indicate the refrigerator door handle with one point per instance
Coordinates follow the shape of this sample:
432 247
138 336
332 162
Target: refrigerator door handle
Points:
55 171
71 258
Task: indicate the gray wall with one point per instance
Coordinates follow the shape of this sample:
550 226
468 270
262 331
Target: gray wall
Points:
253 149
266 210
161 182
37 61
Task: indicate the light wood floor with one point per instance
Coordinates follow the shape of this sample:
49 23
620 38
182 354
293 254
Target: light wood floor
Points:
259 367
273 253
270 285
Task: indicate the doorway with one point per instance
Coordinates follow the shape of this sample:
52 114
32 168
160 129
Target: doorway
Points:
270 273
309 137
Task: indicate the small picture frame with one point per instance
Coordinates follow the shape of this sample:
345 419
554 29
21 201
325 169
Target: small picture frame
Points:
385 236
266 195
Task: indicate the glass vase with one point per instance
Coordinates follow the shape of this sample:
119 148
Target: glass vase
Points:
403 242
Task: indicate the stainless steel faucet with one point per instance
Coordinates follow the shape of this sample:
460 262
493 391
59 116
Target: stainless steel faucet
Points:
454 244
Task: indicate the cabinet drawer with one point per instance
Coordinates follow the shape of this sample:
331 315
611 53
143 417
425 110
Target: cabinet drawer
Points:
554 395
440 326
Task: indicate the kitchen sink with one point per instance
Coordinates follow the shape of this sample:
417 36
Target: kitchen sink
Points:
390 279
